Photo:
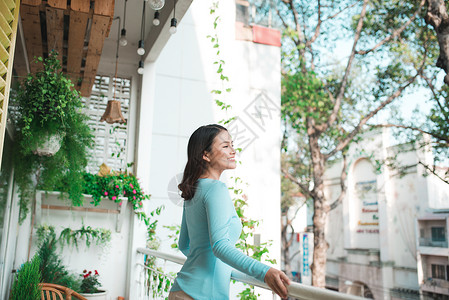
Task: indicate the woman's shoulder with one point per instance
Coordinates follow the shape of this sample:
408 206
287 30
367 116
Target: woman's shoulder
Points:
212 186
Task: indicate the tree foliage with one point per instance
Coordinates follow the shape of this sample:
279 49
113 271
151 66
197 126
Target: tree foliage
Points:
343 62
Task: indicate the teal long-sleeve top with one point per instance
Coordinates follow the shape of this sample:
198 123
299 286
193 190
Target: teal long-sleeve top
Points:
209 230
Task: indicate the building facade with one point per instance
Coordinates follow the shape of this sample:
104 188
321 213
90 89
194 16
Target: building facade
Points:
375 250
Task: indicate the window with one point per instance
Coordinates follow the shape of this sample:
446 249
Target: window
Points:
439 271
438 234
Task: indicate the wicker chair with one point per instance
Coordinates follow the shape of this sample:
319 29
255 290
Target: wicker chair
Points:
52 291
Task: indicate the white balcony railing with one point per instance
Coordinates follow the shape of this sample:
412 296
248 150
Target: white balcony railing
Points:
295 290
428 242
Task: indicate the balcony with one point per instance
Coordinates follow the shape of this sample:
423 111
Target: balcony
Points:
295 290
428 242
434 285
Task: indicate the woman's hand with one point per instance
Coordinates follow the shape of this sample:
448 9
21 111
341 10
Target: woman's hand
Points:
277 281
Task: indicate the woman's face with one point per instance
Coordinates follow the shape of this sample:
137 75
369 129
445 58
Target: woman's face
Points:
222 155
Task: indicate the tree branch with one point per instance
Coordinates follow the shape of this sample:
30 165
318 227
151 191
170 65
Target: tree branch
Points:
303 188
395 33
343 186
432 88
339 98
336 14
433 172
317 28
446 139
437 17
363 121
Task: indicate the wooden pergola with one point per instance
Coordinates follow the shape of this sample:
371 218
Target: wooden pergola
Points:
76 29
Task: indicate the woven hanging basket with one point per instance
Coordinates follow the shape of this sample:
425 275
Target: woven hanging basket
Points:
51 145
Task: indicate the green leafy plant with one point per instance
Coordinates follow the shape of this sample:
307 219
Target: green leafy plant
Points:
47 104
88 234
113 187
90 282
26 285
51 266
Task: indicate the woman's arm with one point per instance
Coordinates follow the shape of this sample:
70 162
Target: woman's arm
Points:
220 211
184 241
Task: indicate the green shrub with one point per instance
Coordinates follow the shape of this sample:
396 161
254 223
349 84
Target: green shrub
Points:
26 285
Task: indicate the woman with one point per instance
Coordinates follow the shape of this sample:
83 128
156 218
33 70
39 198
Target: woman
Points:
210 226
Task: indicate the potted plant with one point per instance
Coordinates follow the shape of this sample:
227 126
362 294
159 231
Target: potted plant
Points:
26 285
49 114
90 286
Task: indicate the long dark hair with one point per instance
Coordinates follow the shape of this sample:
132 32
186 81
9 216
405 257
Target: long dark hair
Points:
200 141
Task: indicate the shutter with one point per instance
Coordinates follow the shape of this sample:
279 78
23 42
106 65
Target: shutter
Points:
9 14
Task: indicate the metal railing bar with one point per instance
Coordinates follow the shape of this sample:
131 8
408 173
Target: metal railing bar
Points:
298 290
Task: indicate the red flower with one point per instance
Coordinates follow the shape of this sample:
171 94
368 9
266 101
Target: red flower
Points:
96 272
86 275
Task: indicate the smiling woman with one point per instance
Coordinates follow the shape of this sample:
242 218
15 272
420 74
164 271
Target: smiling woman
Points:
210 226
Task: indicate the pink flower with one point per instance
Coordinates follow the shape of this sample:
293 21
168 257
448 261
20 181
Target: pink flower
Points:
124 192
116 186
113 198
120 204
131 185
105 193
134 197
134 192
140 203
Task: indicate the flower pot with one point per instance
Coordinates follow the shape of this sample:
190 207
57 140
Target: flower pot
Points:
101 295
51 145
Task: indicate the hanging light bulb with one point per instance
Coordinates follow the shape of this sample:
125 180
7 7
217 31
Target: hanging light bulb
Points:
173 23
141 49
157 4
123 40
156 20
140 69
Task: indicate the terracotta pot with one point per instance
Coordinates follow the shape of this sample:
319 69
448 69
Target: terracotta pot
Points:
101 295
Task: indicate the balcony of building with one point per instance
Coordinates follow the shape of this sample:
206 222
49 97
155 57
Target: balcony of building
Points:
435 274
432 233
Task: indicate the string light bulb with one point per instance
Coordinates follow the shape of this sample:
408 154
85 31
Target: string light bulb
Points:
141 49
173 28
123 41
173 21
140 69
156 20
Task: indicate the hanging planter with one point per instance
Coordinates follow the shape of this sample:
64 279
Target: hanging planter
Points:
52 144
53 135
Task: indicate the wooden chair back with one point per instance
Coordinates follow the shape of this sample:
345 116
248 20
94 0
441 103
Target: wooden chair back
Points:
52 291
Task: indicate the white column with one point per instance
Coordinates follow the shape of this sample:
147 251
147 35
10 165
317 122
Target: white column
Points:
144 125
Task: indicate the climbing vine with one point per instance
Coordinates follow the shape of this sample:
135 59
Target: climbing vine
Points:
239 197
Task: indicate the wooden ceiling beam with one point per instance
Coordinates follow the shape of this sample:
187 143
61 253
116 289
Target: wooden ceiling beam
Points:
77 30
98 34
32 31
55 30
88 22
